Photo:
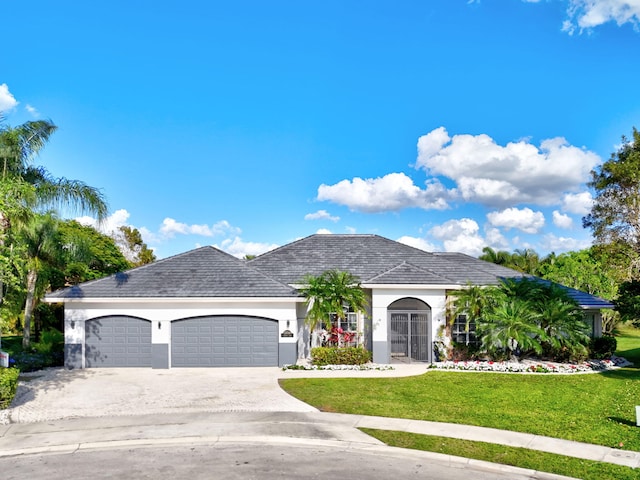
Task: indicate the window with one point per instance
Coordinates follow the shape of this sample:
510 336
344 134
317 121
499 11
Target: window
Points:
349 327
460 334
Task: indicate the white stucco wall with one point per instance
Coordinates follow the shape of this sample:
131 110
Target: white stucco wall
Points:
383 296
164 312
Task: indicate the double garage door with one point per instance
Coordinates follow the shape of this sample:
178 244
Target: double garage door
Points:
224 341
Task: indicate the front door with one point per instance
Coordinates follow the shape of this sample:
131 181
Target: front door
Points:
410 336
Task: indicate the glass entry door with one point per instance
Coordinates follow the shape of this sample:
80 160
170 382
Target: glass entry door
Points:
409 336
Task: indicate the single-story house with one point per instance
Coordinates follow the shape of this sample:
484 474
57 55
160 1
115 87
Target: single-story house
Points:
206 308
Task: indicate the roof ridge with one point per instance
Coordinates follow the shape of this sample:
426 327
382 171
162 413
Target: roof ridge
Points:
412 265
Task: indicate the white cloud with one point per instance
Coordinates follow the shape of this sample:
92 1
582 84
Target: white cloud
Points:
108 226
321 215
324 231
495 239
33 111
171 227
584 15
523 219
552 243
500 176
7 100
460 236
239 248
561 220
578 203
419 243
350 230
392 192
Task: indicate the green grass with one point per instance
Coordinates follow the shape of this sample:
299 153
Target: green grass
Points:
593 408
519 457
629 344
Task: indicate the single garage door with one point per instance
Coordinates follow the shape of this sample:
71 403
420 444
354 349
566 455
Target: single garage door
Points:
224 341
118 341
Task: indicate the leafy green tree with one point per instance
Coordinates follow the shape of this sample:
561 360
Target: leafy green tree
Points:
583 270
331 293
88 255
628 302
133 247
615 214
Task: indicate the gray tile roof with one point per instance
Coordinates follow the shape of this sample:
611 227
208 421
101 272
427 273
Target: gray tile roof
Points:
209 273
368 257
204 272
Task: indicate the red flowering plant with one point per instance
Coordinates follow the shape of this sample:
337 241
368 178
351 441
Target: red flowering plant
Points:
337 337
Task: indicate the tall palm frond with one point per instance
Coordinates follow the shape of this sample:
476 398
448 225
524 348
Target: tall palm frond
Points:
60 192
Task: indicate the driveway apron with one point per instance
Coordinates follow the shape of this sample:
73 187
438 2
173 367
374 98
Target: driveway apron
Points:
57 393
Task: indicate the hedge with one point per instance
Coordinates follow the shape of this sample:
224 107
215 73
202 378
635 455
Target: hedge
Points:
8 385
340 356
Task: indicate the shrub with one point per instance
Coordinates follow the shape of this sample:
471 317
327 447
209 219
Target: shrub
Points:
340 356
51 341
8 385
603 347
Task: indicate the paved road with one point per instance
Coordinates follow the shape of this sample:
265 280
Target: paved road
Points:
244 461
223 445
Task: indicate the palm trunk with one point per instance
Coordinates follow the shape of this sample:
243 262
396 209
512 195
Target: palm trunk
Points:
32 278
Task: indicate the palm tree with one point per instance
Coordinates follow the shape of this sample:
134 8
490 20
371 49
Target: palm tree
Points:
511 325
331 293
472 302
39 238
527 260
33 187
499 257
18 148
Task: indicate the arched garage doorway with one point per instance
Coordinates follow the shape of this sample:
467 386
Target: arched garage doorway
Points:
117 341
224 341
410 330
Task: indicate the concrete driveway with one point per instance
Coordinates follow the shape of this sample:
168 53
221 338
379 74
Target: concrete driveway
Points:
58 393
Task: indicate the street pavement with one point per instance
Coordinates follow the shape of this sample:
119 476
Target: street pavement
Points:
232 445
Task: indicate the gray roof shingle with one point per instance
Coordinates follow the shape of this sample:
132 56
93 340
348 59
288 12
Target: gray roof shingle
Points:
368 257
203 272
211 273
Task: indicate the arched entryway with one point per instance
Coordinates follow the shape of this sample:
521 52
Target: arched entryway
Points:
410 330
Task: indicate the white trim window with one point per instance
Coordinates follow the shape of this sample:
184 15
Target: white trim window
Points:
344 331
463 335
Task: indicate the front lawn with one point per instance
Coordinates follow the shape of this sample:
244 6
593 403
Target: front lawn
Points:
595 408
519 457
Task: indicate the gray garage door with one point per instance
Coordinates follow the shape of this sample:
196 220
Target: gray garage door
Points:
118 341
224 341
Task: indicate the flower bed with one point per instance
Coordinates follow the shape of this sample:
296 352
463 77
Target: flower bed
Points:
366 366
531 366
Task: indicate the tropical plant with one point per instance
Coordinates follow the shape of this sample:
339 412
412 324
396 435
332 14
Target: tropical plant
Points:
499 257
524 314
510 326
18 148
40 239
472 301
331 293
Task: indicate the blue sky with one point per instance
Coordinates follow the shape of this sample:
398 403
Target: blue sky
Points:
446 124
